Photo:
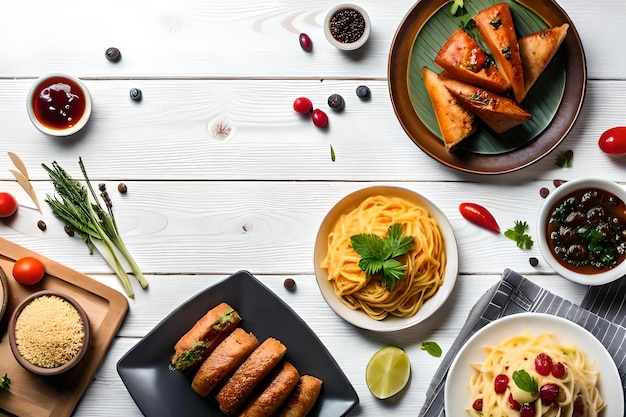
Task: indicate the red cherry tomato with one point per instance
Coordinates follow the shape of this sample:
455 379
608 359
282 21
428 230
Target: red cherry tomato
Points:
302 105
320 119
8 205
479 215
613 141
28 270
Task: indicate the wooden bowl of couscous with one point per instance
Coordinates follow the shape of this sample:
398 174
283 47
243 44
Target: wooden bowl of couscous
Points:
49 333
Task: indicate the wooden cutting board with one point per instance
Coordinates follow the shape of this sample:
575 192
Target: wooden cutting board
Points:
56 396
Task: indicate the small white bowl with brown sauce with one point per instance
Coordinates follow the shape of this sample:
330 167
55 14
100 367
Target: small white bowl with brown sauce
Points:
58 104
582 231
49 333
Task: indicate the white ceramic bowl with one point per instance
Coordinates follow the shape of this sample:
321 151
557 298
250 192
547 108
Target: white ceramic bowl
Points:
359 318
347 46
81 98
545 212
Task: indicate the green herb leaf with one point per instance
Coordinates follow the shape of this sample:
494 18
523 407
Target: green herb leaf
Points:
525 382
377 255
432 348
5 382
565 159
518 234
456 5
332 153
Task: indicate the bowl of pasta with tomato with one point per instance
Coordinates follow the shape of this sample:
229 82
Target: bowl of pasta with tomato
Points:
385 258
533 365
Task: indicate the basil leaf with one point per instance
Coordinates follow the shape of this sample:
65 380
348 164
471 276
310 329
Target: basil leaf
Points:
525 382
432 348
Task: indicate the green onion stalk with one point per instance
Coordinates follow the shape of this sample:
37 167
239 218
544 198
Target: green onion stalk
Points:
87 217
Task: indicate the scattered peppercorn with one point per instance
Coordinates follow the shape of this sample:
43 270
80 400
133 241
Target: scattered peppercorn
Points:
320 119
336 102
135 94
347 25
363 92
122 188
113 54
543 192
69 231
305 42
42 225
290 284
533 261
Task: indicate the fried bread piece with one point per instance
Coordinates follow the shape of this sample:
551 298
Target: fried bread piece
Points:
208 332
538 49
303 397
282 381
455 120
462 58
223 361
249 375
495 25
499 113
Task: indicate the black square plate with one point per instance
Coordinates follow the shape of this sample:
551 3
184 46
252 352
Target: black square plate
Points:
159 391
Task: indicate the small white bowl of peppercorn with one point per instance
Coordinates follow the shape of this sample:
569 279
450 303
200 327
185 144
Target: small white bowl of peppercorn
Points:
49 333
347 27
582 231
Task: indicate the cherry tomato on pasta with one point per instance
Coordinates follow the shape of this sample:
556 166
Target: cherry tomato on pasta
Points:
28 270
8 205
613 141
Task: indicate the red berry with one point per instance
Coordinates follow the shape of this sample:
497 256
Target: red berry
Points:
305 42
500 383
478 404
302 105
558 370
320 119
549 393
527 410
579 407
515 405
543 364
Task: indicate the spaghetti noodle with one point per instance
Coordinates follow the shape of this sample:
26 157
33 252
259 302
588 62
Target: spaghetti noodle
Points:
563 383
425 263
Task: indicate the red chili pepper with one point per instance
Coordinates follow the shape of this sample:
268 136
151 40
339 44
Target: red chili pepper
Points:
613 141
479 215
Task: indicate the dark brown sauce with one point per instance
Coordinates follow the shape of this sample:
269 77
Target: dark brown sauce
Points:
587 231
59 103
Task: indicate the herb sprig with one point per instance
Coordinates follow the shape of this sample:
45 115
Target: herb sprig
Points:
432 348
525 382
80 208
519 235
377 254
5 382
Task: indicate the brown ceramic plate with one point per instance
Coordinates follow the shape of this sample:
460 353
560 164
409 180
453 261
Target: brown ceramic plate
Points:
554 101
4 293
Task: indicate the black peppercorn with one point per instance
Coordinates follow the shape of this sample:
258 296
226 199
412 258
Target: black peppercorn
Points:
336 102
69 231
135 94
533 261
122 188
290 284
347 25
42 225
113 54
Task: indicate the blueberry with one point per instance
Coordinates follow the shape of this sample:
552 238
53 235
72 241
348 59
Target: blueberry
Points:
135 94
336 102
363 92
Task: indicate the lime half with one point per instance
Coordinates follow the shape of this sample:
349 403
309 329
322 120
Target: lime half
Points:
387 372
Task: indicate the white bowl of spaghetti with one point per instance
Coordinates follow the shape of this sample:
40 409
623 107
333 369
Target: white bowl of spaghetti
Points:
431 266
511 345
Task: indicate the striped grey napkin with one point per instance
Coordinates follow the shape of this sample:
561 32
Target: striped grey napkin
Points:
603 313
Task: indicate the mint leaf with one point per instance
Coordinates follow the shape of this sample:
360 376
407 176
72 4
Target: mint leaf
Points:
392 271
525 382
432 348
368 245
371 266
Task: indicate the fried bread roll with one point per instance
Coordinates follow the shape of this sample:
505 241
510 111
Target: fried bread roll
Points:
223 361
282 381
303 397
246 378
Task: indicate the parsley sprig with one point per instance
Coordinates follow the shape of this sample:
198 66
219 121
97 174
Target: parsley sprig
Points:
5 382
377 254
519 235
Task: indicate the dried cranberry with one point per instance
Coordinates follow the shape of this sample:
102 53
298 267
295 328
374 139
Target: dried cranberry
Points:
527 410
558 370
500 383
320 119
515 405
305 42
549 393
478 404
302 105
544 192
543 364
579 407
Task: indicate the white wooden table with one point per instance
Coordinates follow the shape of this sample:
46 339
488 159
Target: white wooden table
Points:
199 208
